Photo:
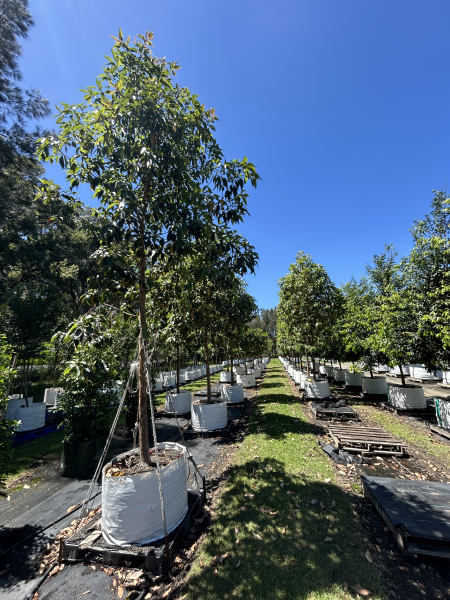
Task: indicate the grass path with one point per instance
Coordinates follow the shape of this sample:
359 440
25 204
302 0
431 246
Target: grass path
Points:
281 503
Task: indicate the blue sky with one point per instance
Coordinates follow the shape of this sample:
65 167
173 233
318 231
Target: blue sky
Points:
343 105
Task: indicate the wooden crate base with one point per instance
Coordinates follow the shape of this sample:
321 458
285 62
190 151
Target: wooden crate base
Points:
440 431
342 413
88 543
366 440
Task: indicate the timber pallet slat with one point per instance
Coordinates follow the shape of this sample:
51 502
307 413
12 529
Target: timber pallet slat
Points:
88 542
190 433
342 413
366 440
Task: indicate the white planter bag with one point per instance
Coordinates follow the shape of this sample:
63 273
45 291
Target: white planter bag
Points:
202 371
233 393
303 379
225 377
189 376
257 372
339 375
297 376
178 403
323 370
329 371
317 389
158 385
353 379
396 370
248 381
239 370
381 369
198 373
443 412
52 395
31 417
169 381
250 364
420 372
131 505
208 417
374 385
407 398
224 363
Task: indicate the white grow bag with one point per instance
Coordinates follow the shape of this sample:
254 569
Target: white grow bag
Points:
198 373
31 417
182 378
317 389
323 370
409 397
131 505
247 380
239 370
297 376
339 375
169 381
233 393
420 372
374 385
353 379
381 369
257 372
225 377
208 417
189 376
329 370
52 395
396 370
158 385
178 403
303 378
443 412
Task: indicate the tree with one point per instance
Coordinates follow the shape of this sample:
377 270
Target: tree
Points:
309 303
146 147
7 426
266 320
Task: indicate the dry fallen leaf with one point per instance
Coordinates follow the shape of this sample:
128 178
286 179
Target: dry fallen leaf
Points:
257 536
369 556
378 547
360 590
291 493
26 487
238 564
327 480
120 591
328 539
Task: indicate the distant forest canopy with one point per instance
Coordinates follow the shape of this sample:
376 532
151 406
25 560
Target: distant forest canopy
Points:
267 321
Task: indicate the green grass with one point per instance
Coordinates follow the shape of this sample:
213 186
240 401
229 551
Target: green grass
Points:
281 448
420 438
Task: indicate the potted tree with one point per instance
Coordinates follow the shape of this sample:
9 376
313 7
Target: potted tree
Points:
146 147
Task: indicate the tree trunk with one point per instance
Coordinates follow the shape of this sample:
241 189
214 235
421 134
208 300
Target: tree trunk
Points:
307 363
402 375
301 362
178 368
371 372
314 367
143 414
231 361
340 366
55 365
208 376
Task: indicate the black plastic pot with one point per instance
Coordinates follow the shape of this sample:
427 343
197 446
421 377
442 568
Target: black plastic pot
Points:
79 459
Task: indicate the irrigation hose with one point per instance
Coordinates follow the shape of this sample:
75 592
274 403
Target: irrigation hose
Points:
41 580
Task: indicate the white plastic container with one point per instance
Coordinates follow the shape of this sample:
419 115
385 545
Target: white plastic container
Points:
446 377
233 393
443 413
52 395
317 389
353 379
189 376
376 386
407 398
209 417
248 381
225 377
131 505
182 378
339 375
158 385
178 403
31 417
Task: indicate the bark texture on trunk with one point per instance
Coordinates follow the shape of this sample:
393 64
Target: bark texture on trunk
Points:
208 375
178 368
402 375
143 412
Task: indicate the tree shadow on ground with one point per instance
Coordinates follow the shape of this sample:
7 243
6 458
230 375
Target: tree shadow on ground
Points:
21 564
282 552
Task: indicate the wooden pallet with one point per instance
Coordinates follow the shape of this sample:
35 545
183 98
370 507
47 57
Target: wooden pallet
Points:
88 543
190 433
440 431
424 413
366 440
415 511
329 411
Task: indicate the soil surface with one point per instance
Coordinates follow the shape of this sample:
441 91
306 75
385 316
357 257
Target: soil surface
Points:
131 465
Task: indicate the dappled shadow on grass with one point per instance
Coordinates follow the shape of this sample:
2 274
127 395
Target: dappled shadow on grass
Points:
298 562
